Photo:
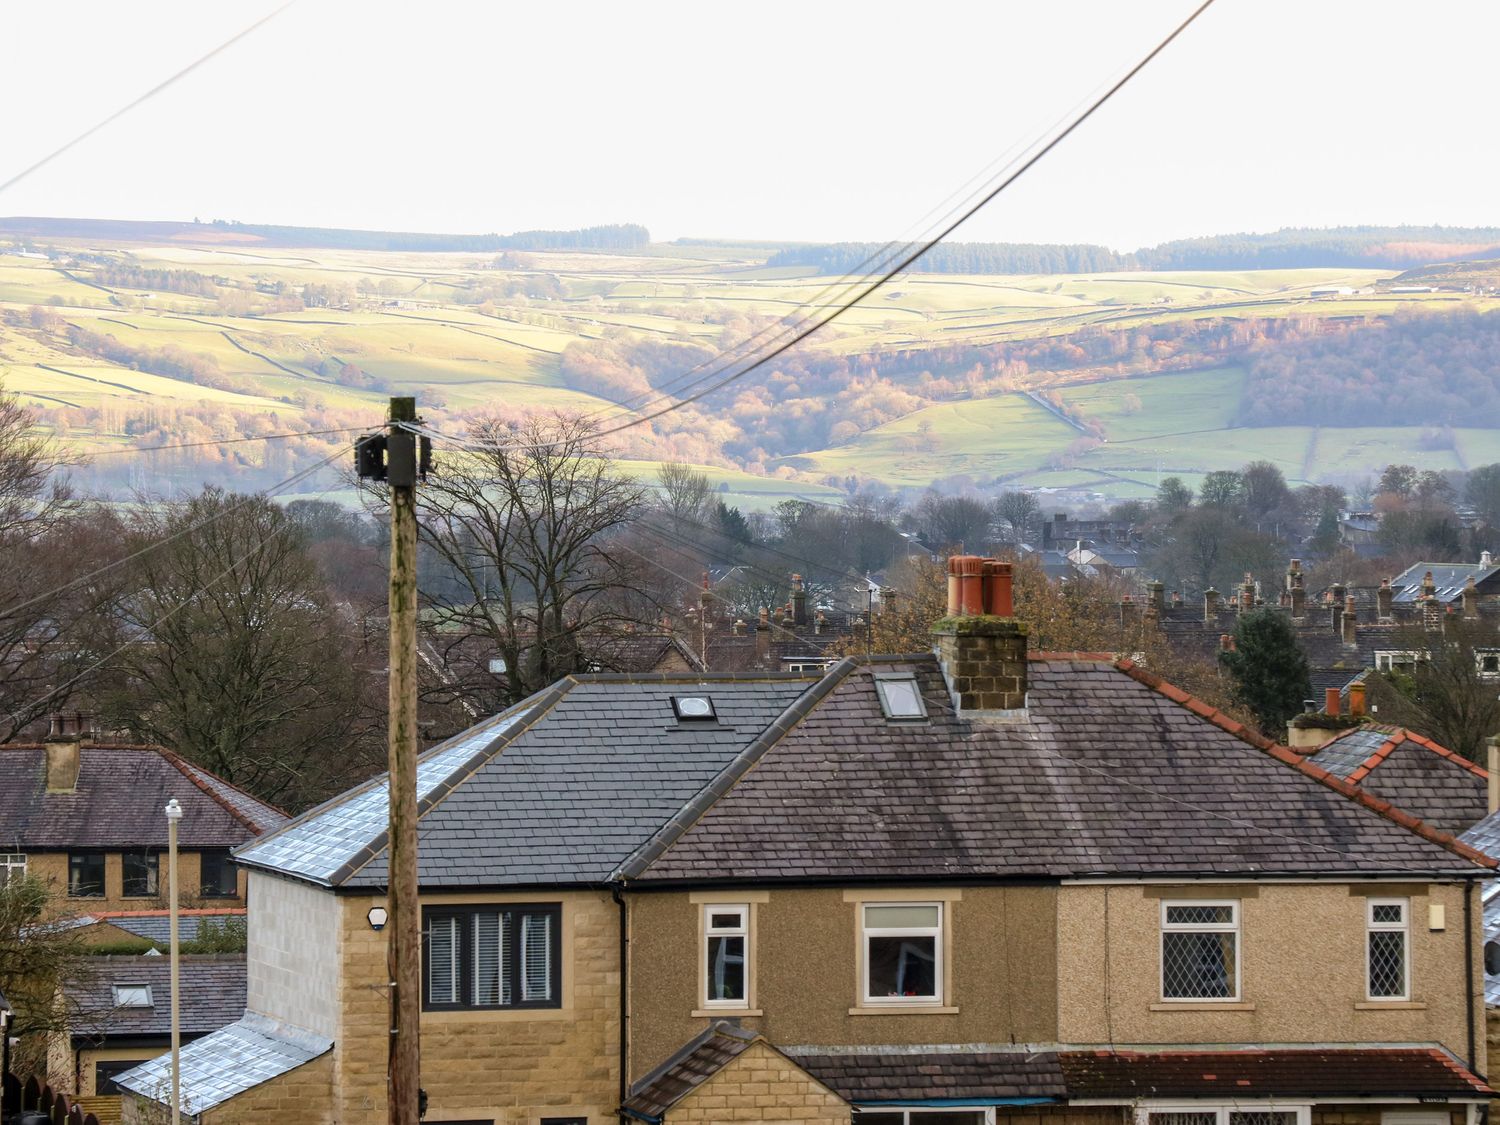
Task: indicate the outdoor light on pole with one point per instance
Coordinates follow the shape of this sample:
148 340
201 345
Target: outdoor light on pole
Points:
174 814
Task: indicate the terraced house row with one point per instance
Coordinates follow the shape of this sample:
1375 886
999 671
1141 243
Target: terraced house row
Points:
974 885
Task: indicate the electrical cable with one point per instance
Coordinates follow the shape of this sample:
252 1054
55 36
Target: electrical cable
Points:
295 478
164 618
223 441
147 96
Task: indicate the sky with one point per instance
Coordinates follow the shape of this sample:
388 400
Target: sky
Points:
819 120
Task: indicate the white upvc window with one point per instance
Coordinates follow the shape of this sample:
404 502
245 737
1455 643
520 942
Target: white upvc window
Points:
1388 948
1399 660
726 955
903 952
12 866
1487 663
947 1115
1235 1113
1200 951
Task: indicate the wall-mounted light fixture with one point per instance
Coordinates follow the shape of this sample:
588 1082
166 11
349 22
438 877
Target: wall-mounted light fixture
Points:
378 917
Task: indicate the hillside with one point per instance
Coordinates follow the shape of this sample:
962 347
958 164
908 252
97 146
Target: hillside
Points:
1087 382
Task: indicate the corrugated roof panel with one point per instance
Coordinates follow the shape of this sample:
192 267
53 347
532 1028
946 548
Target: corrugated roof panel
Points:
228 1062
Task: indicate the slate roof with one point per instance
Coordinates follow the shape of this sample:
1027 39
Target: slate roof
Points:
155 925
1413 773
868 1077
1291 1072
1449 578
559 790
1486 837
212 995
699 1060
227 1062
118 802
1109 770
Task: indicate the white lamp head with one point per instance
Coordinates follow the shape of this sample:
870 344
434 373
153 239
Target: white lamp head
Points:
174 810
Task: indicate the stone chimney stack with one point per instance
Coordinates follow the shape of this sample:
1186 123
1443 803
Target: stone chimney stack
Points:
1384 599
1471 599
1336 607
1128 615
1432 613
1156 597
1247 593
819 621
740 626
1295 587
799 601
1210 605
1429 586
1351 619
1492 766
889 596
65 738
981 646
763 635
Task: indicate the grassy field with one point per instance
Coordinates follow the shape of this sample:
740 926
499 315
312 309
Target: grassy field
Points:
465 336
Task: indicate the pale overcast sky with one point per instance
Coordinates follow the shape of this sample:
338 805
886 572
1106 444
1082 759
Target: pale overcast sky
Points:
814 119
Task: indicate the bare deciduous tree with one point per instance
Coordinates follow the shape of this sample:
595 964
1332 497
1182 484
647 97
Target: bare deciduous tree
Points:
523 521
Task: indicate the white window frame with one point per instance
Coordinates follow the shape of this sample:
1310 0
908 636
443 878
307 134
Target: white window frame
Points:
886 708
709 931
1404 928
935 932
913 1115
1233 926
12 866
1387 659
1222 1110
1482 654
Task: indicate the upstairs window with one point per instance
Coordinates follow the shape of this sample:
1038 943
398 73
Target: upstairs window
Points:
900 696
217 877
12 866
1402 660
1487 663
903 952
1387 950
132 995
138 874
726 931
85 874
492 957
1200 946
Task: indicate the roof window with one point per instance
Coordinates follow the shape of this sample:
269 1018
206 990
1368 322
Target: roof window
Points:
900 697
693 708
132 996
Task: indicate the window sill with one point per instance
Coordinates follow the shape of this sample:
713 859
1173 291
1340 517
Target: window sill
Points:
495 1015
714 1013
1390 1006
1203 1006
903 1010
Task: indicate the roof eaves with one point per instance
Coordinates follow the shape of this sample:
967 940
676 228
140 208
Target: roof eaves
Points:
1290 757
668 834
544 701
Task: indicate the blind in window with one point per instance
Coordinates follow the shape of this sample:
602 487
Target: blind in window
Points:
536 957
442 961
491 946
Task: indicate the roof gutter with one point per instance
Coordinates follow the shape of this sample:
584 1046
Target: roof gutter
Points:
944 1102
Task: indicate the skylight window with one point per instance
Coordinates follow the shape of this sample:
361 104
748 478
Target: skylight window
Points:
900 697
693 708
132 996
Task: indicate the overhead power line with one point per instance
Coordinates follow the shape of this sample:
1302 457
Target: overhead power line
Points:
224 441
147 96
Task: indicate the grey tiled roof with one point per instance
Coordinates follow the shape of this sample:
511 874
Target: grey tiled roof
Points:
322 843
118 802
230 1061
869 1077
1414 774
1448 578
212 995
561 790
156 925
1102 774
1486 837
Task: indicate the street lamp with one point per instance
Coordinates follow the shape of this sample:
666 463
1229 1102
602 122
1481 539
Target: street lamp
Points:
174 814
5 1018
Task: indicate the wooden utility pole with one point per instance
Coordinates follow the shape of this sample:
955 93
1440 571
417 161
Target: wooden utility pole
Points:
403 464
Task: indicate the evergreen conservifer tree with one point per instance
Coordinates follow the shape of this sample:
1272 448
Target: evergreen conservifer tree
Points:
1268 672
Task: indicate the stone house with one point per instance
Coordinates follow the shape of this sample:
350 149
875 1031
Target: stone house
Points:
87 818
977 886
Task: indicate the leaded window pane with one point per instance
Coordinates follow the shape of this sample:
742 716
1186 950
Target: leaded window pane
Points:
1387 963
1262 1117
1388 912
1198 966
1195 915
1174 1117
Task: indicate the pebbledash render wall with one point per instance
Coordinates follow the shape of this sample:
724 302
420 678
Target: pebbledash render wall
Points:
806 953
761 1085
1297 941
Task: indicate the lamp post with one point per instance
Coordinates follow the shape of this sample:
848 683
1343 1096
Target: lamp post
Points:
5 1017
174 814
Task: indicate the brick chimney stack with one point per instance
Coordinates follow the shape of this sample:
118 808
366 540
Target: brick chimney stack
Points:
1384 598
799 601
1357 700
1295 587
1471 599
65 737
1247 593
1351 619
1156 596
1128 616
981 646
